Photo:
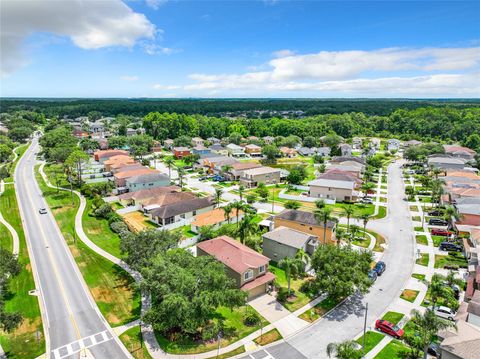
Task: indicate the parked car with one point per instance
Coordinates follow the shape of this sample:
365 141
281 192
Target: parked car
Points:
366 200
435 212
389 328
372 275
434 350
380 267
456 291
450 247
440 232
445 312
437 222
42 211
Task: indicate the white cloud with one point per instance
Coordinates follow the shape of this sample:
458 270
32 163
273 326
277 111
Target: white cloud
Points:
89 25
128 78
165 87
155 4
283 53
154 49
426 72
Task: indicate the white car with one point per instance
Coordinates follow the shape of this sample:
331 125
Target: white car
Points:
445 312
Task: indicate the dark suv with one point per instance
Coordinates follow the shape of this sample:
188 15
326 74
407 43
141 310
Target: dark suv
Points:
451 247
437 222
380 268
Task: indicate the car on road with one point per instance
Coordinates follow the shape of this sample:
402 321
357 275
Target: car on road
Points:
437 222
389 328
450 247
372 275
445 312
42 211
380 268
440 232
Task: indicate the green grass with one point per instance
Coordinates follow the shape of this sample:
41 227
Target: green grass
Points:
319 310
382 212
233 321
99 232
416 219
362 241
21 343
230 354
281 280
112 288
418 276
421 239
393 317
187 232
423 260
409 295
437 240
268 337
6 240
418 229
379 240
392 350
452 259
20 151
414 208
133 341
371 340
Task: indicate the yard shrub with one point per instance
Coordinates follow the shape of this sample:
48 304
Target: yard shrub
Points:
103 211
251 319
308 287
282 294
118 227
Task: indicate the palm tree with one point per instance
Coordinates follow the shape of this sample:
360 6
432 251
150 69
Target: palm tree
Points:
349 211
292 267
227 210
365 218
367 187
303 256
427 326
181 174
218 196
241 189
354 229
340 234
246 227
436 171
238 206
344 350
226 169
438 289
169 161
323 216
450 214
320 203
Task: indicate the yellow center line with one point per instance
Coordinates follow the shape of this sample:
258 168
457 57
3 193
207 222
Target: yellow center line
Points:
54 265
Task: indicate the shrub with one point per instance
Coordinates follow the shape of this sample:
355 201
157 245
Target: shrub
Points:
113 217
282 294
308 287
103 211
251 319
251 198
118 227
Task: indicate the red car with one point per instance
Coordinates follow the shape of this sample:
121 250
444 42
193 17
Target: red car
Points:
440 232
389 328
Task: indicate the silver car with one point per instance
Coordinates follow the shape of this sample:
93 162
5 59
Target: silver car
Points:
445 312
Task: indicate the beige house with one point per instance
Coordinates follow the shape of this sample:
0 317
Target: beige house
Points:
248 268
268 175
197 141
253 150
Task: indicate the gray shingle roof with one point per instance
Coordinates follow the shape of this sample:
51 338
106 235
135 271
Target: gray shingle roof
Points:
302 217
289 237
175 209
149 177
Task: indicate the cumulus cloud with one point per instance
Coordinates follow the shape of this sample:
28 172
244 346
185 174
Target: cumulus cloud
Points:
394 72
283 53
89 25
155 4
128 78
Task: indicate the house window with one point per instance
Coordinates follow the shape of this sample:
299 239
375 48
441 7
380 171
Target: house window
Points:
261 269
248 275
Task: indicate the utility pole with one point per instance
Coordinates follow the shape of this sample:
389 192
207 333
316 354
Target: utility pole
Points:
364 328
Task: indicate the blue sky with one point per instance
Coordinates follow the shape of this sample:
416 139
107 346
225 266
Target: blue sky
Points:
240 49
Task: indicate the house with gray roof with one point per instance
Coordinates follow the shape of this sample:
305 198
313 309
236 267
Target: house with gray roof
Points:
144 181
444 162
285 242
181 213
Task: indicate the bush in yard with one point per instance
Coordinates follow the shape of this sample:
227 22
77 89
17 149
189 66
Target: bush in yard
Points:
118 227
262 191
251 319
103 211
113 217
309 287
251 198
282 294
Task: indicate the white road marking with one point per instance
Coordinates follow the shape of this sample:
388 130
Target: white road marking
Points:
81 345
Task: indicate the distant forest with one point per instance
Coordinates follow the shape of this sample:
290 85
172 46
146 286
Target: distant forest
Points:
220 107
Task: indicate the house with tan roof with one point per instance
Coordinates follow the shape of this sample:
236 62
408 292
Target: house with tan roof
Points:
288 152
197 141
117 160
138 197
120 178
462 342
238 168
253 150
215 218
252 177
103 155
460 152
148 180
123 167
335 184
248 268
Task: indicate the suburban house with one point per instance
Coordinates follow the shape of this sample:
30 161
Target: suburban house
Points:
214 141
219 149
393 144
215 218
78 133
345 149
375 143
216 164
411 143
143 195
460 152
235 150
147 205
149 180
445 162
135 131
253 150
462 342
353 167
197 141
323 151
248 268
238 168
119 159
121 177
252 177
305 151
123 167
180 213
180 152
288 152
103 155
286 242
96 127
305 222
168 144
469 213
357 143
268 140
200 150
335 184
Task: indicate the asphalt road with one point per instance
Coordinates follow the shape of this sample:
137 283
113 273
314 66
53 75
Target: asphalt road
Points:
346 321
72 321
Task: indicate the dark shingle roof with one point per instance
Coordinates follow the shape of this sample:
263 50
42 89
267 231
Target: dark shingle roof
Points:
149 177
302 217
174 209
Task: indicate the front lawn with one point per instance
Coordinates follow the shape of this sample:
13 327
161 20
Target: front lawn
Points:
230 354
133 341
300 299
382 212
423 259
319 310
268 337
452 260
421 239
437 240
234 330
418 229
392 350
409 295
393 317
418 276
371 340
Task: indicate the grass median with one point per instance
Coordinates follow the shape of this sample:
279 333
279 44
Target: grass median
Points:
112 288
